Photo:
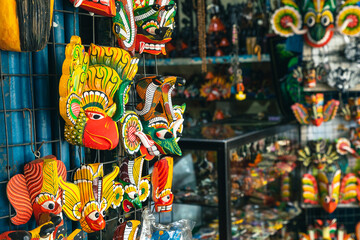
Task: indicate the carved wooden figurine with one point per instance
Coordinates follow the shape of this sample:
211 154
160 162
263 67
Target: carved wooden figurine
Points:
127 230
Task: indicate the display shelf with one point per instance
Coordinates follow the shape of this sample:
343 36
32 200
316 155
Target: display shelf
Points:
209 60
197 204
340 205
221 138
323 87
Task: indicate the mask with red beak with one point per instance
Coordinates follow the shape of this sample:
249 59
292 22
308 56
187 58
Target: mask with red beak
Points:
87 199
93 92
37 191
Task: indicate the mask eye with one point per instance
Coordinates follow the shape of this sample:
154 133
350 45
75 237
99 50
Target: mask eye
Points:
153 30
49 205
310 21
325 20
133 195
94 215
333 200
95 116
327 199
166 198
164 134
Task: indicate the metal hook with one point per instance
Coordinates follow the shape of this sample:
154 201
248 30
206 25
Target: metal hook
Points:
33 143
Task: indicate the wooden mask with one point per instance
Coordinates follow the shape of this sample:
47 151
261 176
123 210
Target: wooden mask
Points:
91 194
124 26
101 7
37 191
133 189
314 112
162 122
25 25
93 91
161 180
330 192
155 24
316 20
127 230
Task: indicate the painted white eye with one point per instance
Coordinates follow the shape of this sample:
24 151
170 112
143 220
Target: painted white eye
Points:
95 116
325 20
153 30
49 205
94 215
310 21
166 198
327 199
133 195
164 134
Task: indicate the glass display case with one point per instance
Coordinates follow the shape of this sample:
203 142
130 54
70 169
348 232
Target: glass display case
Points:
226 164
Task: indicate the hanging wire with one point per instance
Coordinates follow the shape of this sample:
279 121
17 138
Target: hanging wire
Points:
33 143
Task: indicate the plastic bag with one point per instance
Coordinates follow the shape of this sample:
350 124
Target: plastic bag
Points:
179 230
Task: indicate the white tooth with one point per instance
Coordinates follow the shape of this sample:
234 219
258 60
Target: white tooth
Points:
157 47
152 46
147 46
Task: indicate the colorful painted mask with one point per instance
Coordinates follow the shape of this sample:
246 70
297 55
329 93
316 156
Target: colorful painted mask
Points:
93 93
25 25
162 122
318 153
91 194
37 191
329 193
315 112
155 24
127 230
216 89
101 7
319 18
351 110
133 189
43 232
124 26
161 180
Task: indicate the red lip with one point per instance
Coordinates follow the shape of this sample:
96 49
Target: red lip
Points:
127 205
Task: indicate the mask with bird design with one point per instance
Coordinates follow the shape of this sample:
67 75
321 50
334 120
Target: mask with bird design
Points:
93 91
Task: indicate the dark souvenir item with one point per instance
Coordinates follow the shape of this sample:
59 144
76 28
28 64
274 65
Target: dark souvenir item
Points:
342 79
25 25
